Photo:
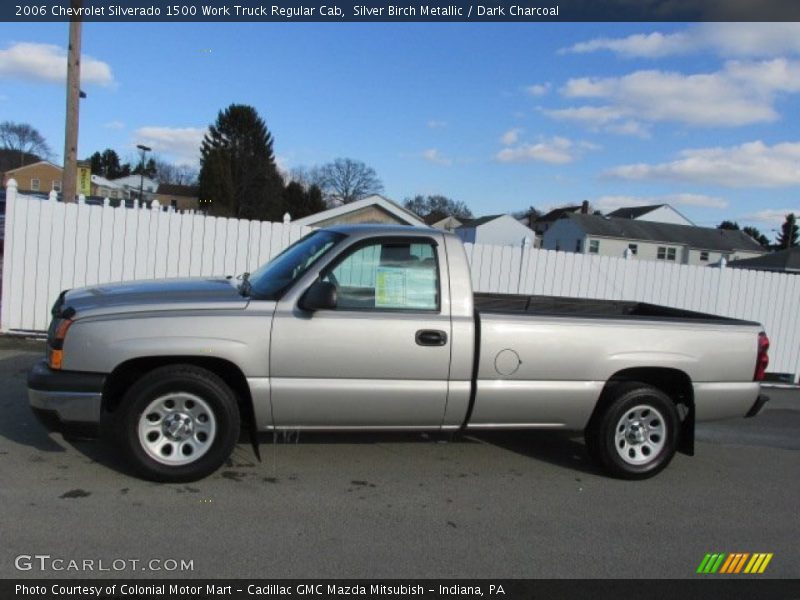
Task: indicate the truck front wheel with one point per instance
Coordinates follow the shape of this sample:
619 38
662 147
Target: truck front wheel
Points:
178 423
634 433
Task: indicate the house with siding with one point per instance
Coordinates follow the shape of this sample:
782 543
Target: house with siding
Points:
179 197
131 184
373 209
502 230
39 177
105 188
647 240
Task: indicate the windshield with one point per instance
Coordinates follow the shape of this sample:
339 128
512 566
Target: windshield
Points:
269 281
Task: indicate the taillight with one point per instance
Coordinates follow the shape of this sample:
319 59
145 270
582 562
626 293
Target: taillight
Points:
762 359
55 355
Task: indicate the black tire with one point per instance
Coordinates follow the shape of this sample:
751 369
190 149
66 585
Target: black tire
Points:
634 432
194 389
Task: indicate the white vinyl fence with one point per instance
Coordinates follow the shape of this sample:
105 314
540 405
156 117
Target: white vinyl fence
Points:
51 246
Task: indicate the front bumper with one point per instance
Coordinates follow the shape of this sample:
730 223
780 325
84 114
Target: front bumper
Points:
66 401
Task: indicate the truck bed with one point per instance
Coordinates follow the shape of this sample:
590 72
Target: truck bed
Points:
590 308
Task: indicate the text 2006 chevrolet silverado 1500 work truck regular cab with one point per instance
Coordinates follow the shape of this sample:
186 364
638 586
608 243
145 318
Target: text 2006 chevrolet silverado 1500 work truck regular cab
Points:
377 328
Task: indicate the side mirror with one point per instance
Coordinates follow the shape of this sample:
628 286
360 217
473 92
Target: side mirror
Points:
321 295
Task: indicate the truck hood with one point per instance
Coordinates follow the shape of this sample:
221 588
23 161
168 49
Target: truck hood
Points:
196 293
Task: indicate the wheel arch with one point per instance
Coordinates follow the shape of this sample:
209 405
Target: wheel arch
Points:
126 373
673 382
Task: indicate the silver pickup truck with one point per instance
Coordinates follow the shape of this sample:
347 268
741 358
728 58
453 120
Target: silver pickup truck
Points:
377 328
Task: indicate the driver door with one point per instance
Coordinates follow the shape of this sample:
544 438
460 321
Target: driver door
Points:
381 358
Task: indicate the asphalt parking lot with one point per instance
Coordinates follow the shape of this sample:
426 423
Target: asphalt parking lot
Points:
511 505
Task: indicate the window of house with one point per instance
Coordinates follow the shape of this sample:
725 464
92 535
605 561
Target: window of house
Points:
35 185
56 185
634 248
388 276
666 253
594 246
704 256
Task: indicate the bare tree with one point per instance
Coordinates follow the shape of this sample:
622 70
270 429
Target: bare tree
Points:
438 207
345 180
167 172
24 139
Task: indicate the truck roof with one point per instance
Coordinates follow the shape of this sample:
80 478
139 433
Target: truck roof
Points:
367 229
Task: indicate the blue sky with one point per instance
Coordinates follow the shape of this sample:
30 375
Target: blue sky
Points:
501 116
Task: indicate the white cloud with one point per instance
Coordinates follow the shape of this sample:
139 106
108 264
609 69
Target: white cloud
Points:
510 137
723 39
609 203
48 63
741 93
182 143
601 118
436 157
538 89
555 150
114 125
753 164
434 124
771 216
648 45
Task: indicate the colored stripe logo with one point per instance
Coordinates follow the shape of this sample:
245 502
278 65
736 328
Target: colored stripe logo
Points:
737 562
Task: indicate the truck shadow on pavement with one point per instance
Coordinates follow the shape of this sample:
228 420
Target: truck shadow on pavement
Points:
21 427
18 424
556 448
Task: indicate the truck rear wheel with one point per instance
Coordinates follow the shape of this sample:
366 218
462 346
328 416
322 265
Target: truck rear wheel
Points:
178 423
634 434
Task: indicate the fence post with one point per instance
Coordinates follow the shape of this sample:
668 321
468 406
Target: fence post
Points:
81 199
53 196
526 248
287 218
106 201
8 242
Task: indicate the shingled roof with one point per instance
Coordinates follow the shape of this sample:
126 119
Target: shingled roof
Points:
784 261
479 221
634 212
703 238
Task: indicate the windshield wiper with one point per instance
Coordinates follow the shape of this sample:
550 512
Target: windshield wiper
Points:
245 286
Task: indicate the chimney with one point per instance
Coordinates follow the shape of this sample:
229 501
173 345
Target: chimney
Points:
585 207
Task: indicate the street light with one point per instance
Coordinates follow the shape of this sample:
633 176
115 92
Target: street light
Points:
144 150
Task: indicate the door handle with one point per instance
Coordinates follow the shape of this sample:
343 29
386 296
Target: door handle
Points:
431 337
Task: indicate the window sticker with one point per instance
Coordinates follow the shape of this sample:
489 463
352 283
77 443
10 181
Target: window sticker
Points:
390 287
399 287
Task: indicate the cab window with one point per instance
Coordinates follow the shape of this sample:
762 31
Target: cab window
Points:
388 276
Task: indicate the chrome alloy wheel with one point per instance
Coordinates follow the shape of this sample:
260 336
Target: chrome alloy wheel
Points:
177 428
640 435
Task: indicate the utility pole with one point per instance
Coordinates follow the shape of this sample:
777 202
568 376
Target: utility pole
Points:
145 150
69 185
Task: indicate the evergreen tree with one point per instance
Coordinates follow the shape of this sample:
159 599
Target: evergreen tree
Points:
729 225
96 163
237 167
300 202
789 234
754 233
150 168
107 164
